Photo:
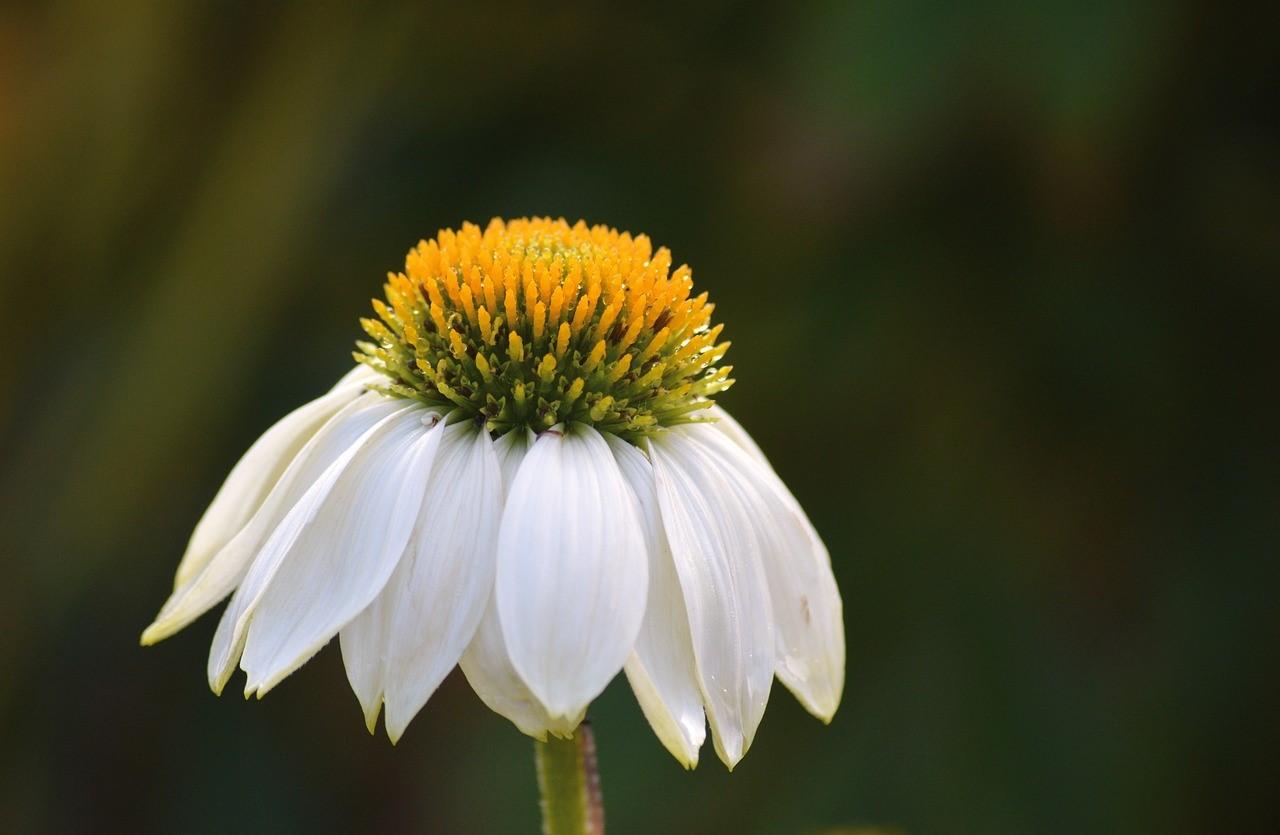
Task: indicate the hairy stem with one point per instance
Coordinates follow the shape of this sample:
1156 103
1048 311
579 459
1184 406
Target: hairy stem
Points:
569 784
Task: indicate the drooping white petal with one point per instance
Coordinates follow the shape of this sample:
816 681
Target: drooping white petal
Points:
437 595
349 433
511 449
718 559
343 552
806 602
225 570
661 668
364 644
726 423
488 668
258 470
572 571
486 662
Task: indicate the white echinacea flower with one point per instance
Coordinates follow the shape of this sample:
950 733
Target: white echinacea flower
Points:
525 476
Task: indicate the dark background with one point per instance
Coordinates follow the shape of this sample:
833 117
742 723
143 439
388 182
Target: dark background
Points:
1002 280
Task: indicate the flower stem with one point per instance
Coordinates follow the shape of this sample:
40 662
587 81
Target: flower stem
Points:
569 783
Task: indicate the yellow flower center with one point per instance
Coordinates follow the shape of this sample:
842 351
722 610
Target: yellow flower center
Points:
535 322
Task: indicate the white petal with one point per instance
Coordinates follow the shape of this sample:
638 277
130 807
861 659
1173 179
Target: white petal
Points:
726 424
442 586
359 377
572 571
806 603
258 470
343 551
289 508
486 662
661 669
718 560
488 668
511 449
225 570
364 644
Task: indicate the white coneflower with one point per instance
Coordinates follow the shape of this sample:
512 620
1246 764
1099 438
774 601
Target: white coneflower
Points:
525 476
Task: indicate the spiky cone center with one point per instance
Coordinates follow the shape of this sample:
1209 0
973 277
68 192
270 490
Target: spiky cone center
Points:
533 322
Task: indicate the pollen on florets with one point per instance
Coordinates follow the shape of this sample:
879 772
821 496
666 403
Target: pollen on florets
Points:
533 322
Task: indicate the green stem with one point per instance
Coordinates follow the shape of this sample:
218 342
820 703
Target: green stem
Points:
569 783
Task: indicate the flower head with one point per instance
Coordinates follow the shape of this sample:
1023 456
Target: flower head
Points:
525 477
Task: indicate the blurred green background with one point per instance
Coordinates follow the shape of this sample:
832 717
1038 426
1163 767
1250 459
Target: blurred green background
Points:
1002 283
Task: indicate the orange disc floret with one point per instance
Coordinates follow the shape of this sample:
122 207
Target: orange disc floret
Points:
533 322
